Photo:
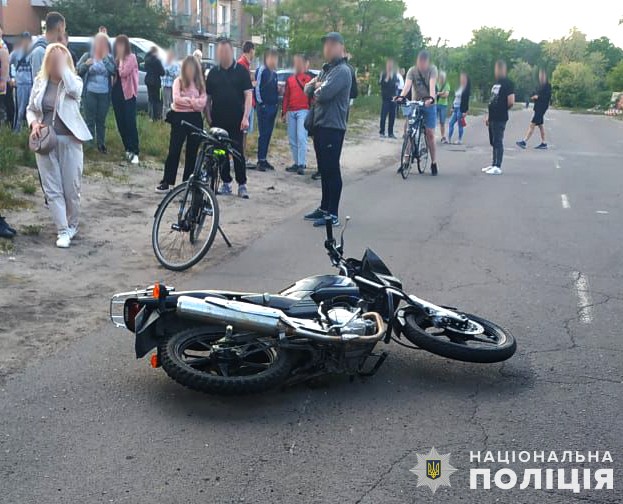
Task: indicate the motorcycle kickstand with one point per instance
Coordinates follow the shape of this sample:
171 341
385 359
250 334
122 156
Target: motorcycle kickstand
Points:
375 368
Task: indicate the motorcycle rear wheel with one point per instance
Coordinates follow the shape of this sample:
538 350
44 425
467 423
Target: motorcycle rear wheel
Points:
201 360
494 345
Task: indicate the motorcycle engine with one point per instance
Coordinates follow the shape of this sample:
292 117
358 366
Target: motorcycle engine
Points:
357 326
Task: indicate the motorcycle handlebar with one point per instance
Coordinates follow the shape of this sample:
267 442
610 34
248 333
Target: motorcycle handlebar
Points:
328 222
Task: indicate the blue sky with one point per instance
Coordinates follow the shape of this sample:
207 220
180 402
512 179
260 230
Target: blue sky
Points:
454 20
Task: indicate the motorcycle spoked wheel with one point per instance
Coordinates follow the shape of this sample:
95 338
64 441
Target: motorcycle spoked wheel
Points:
494 345
198 359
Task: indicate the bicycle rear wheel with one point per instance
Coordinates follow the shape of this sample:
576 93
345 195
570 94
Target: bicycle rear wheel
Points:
406 156
185 225
422 151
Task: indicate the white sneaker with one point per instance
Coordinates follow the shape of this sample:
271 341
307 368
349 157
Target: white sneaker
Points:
134 159
63 240
72 231
494 170
486 169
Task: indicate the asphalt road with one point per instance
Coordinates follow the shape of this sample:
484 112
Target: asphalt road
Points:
537 250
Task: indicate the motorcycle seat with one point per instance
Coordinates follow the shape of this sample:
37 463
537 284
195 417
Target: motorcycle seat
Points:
271 300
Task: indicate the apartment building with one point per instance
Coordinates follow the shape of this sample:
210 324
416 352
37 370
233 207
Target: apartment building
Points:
197 24
17 16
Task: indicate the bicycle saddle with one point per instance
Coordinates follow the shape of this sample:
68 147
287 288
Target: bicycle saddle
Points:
219 133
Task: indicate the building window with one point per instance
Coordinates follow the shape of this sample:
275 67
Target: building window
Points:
187 9
211 51
174 7
189 47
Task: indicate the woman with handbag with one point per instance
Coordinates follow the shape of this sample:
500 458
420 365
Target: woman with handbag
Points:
189 100
57 134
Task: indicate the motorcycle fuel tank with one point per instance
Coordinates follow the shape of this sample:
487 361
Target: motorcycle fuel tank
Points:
336 284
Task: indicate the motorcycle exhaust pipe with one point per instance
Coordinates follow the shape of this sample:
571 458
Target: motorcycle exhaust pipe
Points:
245 316
265 320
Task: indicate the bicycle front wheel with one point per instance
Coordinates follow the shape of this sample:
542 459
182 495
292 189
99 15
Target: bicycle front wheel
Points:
422 151
185 225
406 156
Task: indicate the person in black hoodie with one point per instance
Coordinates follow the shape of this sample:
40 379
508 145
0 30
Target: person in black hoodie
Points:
153 71
389 84
541 100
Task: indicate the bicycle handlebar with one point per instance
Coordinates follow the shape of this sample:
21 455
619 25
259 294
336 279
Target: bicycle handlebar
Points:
404 101
204 134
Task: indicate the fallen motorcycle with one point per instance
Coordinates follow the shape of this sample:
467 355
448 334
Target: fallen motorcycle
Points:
225 342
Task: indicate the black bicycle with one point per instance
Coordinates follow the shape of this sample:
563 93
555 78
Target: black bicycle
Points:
187 219
415 144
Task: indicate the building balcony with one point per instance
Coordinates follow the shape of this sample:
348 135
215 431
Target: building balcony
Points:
181 23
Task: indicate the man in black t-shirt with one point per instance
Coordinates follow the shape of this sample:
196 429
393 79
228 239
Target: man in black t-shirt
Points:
541 100
229 90
502 99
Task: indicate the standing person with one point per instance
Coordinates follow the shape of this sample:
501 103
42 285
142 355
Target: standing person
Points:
421 83
97 70
388 81
460 106
5 72
55 102
54 31
153 73
294 112
541 100
229 92
267 99
331 92
124 92
22 76
189 100
171 72
502 99
246 60
443 91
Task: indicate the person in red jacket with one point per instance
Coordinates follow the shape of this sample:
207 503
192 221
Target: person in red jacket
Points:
294 111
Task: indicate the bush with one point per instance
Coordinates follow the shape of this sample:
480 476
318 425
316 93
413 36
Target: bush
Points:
615 78
575 85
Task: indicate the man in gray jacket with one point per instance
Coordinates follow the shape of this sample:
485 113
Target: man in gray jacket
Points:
331 94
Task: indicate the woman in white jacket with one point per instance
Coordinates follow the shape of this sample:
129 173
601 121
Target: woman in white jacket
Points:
55 101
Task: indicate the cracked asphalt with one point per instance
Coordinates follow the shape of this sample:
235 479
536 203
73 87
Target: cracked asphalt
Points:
93 425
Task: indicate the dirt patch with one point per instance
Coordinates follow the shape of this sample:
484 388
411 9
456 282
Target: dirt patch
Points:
50 297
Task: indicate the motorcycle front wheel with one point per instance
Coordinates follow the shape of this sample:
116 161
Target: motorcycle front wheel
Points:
493 345
203 359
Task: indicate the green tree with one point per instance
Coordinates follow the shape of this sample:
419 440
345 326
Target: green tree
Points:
483 50
522 75
135 18
527 50
412 42
611 53
575 85
573 47
615 78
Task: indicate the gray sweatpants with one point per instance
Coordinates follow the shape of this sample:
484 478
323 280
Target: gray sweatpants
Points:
61 177
167 100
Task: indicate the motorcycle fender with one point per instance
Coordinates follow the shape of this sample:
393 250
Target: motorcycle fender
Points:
146 334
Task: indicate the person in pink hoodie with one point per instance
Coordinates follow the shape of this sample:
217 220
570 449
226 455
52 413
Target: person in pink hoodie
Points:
189 100
124 92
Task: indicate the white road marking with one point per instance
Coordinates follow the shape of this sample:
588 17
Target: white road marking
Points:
558 165
602 212
585 300
565 201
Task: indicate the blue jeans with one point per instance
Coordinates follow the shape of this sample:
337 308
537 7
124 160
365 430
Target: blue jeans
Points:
455 118
266 115
23 95
297 134
96 107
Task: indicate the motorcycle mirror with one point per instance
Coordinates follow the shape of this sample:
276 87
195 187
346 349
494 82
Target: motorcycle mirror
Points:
343 231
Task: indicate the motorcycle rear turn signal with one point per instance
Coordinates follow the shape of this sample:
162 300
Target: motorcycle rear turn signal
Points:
154 361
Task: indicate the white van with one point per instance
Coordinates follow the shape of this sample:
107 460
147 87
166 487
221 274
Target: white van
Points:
140 47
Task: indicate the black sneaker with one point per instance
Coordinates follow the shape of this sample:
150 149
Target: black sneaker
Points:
6 231
315 215
301 170
382 135
163 188
392 136
269 166
261 166
316 176
251 166
292 169
433 169
322 221
102 149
